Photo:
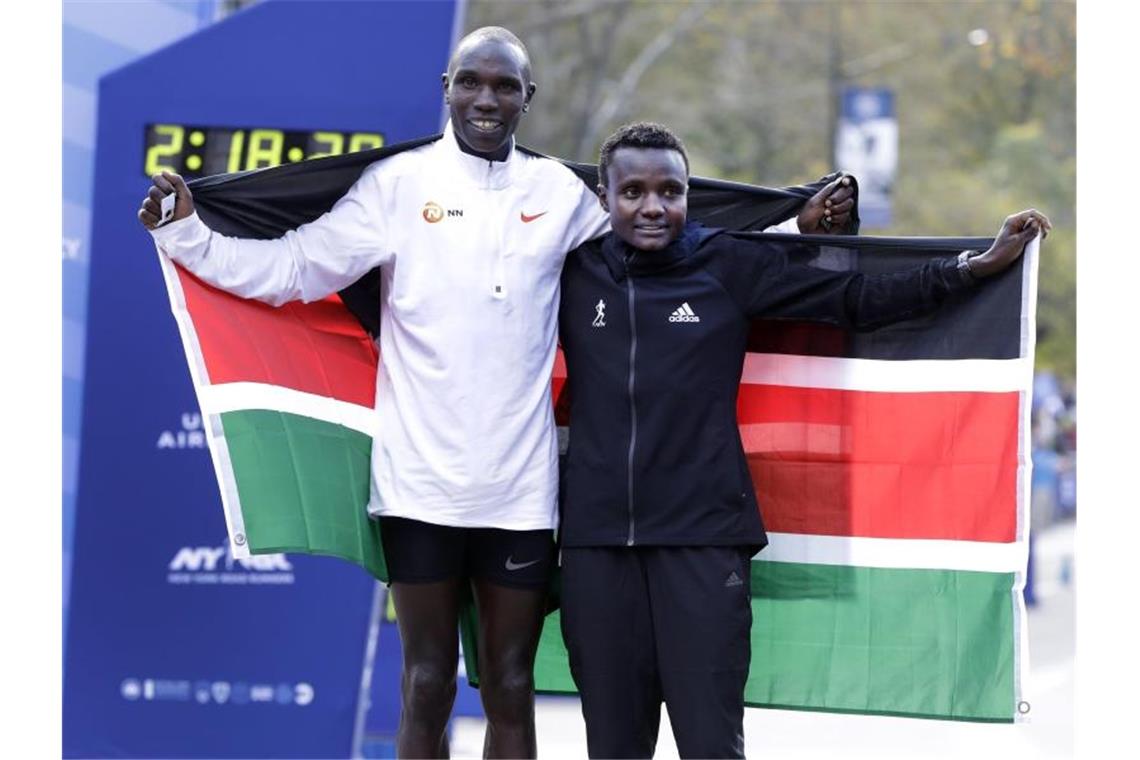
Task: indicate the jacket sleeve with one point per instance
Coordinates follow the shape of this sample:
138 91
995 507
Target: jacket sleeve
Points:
764 283
308 263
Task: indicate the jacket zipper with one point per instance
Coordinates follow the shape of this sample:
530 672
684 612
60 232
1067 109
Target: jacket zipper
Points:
632 405
498 272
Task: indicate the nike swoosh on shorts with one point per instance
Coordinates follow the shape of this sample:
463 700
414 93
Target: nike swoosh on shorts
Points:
519 566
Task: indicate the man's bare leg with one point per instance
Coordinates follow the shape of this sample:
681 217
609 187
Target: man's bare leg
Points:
510 622
428 617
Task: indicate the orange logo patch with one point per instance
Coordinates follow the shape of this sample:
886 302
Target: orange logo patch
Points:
433 212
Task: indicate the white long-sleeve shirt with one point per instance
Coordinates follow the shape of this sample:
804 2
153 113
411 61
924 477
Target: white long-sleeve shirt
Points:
470 253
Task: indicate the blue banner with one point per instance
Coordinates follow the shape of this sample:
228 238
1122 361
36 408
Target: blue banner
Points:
173 647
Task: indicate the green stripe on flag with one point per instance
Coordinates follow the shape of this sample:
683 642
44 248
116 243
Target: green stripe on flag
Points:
935 643
552 662
921 643
303 485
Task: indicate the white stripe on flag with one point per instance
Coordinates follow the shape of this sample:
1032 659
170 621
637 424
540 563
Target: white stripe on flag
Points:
219 452
914 376
232 397
1025 468
901 553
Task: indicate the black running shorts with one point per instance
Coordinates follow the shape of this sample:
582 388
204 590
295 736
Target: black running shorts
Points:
420 552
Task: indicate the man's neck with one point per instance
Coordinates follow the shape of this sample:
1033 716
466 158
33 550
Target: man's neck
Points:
499 155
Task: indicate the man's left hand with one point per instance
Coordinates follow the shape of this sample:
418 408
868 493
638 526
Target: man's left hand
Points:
828 212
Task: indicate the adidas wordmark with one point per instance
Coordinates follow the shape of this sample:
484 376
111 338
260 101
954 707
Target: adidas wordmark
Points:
684 313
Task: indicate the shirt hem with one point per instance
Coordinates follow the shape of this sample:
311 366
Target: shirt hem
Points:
461 522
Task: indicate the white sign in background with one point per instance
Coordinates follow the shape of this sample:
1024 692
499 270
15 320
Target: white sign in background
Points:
867 145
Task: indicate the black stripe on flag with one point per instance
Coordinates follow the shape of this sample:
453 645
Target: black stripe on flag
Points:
981 323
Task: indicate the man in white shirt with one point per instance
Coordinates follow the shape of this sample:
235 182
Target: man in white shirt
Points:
470 235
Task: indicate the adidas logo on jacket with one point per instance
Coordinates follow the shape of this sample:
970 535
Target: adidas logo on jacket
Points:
684 313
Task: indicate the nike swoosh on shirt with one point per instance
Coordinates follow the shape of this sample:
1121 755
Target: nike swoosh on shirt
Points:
528 219
513 566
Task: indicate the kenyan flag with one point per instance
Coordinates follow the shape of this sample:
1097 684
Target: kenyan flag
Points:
286 396
891 468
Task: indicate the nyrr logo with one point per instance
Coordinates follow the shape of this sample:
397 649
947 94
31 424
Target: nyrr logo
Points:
191 436
433 212
217 565
206 558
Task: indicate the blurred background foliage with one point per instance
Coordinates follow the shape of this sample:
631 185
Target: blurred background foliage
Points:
985 94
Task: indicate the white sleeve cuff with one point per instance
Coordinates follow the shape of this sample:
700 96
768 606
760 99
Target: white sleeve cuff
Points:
183 239
789 226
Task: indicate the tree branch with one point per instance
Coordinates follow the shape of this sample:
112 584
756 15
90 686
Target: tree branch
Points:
620 93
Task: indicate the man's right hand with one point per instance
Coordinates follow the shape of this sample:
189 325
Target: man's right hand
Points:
164 184
828 212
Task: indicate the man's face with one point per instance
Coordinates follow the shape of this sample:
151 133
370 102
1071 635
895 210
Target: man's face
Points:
646 194
486 92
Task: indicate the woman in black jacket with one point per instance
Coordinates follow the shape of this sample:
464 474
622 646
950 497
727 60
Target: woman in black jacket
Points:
660 519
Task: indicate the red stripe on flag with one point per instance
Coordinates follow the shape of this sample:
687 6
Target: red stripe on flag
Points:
317 347
559 391
883 465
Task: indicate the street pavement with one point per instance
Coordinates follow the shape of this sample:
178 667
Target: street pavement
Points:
793 735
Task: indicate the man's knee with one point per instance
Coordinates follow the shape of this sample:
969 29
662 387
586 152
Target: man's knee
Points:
429 688
507 692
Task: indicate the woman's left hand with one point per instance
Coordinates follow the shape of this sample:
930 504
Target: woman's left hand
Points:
1015 233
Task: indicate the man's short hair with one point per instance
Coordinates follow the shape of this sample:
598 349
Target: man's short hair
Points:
497 34
640 134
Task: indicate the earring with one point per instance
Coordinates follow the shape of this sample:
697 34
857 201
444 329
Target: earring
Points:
526 107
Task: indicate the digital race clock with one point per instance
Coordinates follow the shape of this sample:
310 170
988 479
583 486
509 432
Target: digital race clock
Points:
198 151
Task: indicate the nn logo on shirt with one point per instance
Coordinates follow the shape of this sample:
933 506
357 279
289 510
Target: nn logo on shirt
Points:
684 313
433 212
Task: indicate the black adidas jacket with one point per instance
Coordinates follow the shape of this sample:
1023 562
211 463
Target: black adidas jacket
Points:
654 346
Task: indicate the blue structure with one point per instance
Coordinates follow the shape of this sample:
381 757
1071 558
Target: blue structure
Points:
173 648
98 37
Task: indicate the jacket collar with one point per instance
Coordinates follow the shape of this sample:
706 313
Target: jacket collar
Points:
488 175
621 258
